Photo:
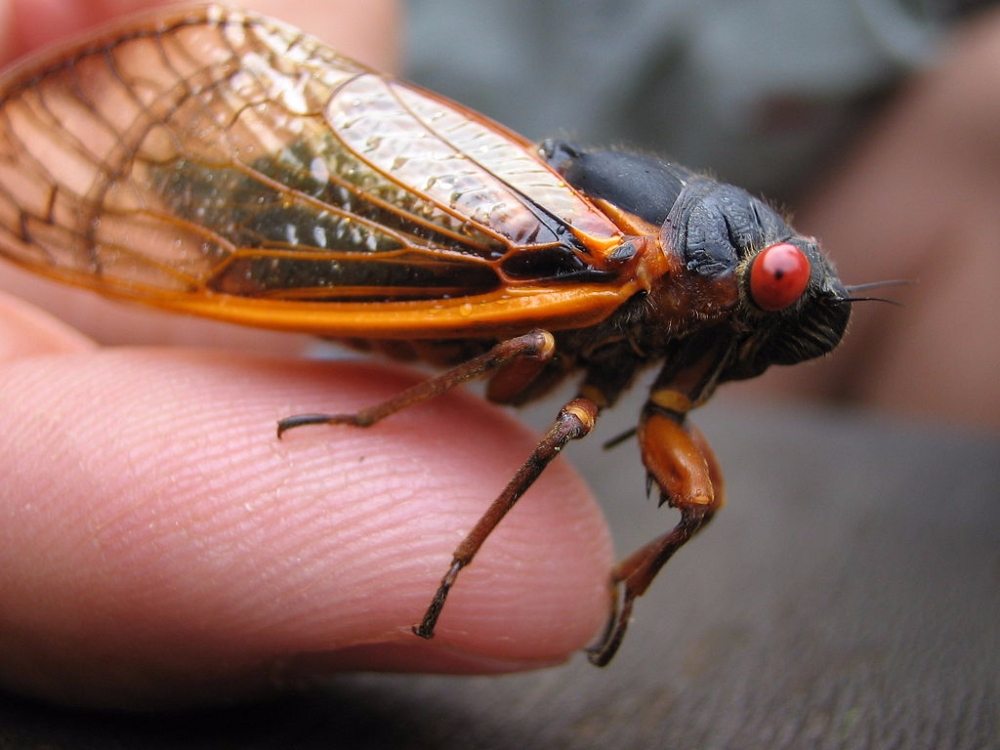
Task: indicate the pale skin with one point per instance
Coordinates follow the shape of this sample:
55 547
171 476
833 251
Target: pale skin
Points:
161 547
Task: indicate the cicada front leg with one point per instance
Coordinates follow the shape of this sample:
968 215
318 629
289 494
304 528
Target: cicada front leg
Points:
681 463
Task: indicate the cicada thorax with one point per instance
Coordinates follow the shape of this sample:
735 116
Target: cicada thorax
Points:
735 282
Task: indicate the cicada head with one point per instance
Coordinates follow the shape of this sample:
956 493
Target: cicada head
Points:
793 307
783 300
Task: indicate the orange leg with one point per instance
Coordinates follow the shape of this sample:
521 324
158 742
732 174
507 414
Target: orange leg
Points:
682 464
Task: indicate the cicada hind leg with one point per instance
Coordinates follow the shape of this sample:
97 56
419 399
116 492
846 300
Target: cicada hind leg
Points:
535 347
576 420
515 364
681 463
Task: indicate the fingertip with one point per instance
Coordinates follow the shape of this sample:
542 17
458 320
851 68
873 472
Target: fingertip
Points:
178 545
537 591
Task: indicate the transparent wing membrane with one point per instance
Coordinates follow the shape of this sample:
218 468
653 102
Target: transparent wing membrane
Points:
219 153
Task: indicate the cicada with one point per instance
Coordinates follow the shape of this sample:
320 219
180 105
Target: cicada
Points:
219 163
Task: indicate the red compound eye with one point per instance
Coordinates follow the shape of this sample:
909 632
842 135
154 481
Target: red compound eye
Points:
778 276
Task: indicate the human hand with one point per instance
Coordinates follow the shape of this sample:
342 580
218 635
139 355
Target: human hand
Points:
162 547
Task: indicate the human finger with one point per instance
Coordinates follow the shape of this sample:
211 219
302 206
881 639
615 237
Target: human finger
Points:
161 546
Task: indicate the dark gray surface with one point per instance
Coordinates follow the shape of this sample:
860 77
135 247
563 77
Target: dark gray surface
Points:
848 597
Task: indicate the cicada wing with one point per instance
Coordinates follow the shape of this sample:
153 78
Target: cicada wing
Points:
197 158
